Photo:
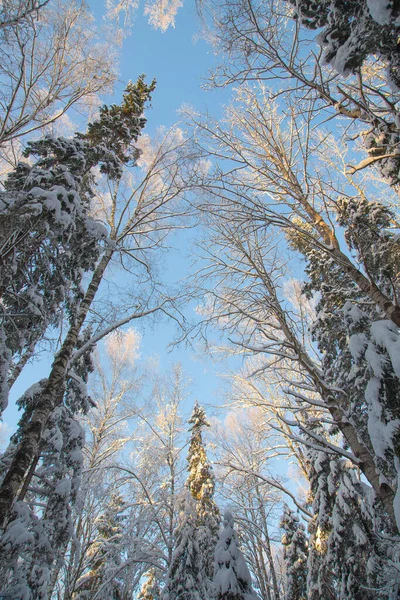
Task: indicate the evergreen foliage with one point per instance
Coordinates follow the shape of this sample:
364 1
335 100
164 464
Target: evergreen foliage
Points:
150 590
357 343
51 201
353 30
201 484
191 571
185 578
49 241
295 553
232 579
119 126
347 554
103 578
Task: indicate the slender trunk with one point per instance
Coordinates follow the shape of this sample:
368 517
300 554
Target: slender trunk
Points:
366 460
51 396
16 370
391 310
267 545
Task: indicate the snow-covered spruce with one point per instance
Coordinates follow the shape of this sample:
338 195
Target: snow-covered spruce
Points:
48 523
48 243
186 579
201 484
190 574
131 118
232 579
351 31
352 554
150 589
103 578
358 344
295 554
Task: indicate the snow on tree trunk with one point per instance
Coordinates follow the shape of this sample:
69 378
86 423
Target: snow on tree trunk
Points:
108 142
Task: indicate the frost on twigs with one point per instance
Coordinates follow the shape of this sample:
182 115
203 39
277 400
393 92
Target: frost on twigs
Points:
161 13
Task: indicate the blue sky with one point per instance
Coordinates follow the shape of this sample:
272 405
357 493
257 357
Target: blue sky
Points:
179 61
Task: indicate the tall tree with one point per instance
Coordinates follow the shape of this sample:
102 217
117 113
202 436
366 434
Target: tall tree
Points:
295 555
49 396
201 484
191 571
275 165
185 578
232 578
52 58
156 201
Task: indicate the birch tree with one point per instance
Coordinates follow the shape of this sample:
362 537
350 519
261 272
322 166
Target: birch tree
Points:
259 41
266 180
135 229
52 58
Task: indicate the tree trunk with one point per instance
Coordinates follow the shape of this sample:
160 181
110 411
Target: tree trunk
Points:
366 464
392 311
52 395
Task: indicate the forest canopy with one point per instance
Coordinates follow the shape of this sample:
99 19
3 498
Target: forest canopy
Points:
264 234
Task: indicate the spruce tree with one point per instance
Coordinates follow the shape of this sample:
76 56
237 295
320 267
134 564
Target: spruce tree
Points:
150 589
358 344
201 484
232 579
353 30
295 553
103 576
191 571
349 543
48 240
185 578
62 175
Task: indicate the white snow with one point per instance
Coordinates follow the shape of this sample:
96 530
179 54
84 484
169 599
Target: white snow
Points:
380 11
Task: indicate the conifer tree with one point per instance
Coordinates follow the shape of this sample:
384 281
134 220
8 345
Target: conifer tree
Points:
48 238
150 590
349 542
64 171
191 571
232 579
295 555
201 484
353 30
102 578
81 152
357 342
185 578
